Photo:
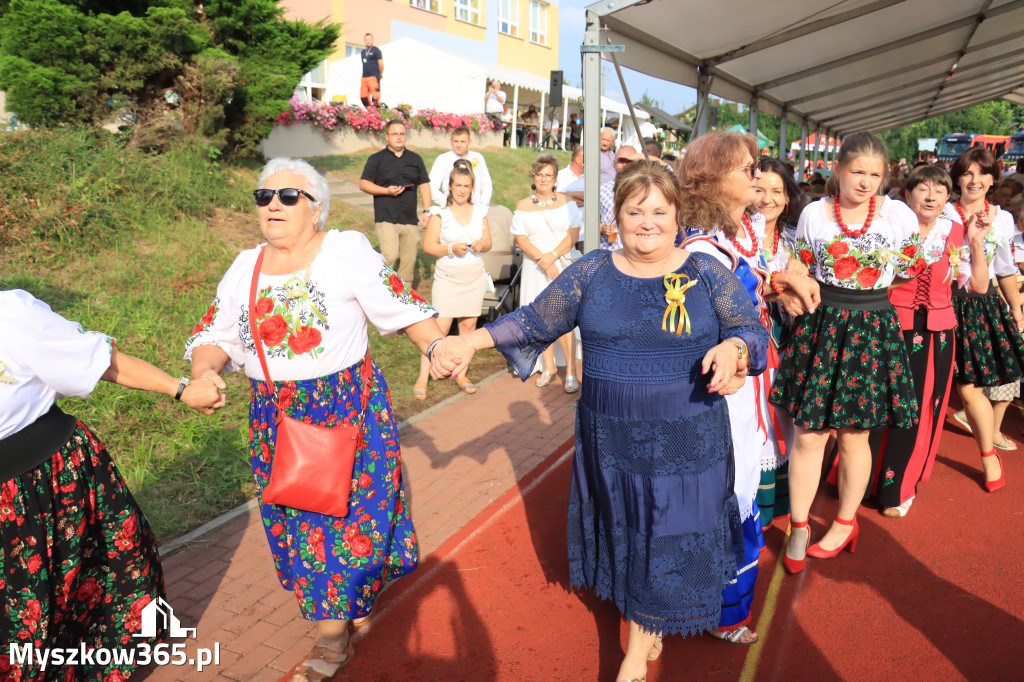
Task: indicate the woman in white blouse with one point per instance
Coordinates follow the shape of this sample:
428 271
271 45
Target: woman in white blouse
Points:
81 559
315 292
547 227
457 235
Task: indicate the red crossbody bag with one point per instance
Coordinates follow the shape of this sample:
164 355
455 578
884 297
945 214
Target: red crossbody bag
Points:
312 468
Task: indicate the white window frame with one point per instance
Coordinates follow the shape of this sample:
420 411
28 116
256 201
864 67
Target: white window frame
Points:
309 83
427 5
508 24
353 48
538 28
467 11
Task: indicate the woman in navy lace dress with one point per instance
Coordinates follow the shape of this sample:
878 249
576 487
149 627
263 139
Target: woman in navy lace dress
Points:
653 521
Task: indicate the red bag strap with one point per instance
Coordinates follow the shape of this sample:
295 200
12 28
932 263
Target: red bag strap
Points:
366 374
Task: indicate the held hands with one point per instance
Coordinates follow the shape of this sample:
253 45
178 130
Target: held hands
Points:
728 371
477 246
802 294
460 248
206 393
546 260
450 357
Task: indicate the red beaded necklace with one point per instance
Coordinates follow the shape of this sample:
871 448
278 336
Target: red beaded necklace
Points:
963 216
853 234
750 233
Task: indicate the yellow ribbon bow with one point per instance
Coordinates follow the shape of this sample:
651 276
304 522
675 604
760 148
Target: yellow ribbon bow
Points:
675 296
954 263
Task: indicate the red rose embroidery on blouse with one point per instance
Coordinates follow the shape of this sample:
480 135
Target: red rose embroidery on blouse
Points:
838 249
361 546
910 251
917 268
416 297
845 267
264 306
273 330
806 256
304 339
397 285
868 276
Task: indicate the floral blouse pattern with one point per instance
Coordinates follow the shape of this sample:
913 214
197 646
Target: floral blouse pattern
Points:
890 249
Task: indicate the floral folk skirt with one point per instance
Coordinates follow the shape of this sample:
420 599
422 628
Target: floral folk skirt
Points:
78 563
846 369
337 566
989 349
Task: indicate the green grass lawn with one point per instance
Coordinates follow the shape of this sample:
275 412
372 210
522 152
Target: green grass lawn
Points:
133 245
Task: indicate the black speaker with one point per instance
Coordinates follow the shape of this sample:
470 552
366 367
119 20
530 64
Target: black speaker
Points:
555 95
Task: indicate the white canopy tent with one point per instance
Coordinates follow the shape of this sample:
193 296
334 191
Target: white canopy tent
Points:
835 68
417 74
424 76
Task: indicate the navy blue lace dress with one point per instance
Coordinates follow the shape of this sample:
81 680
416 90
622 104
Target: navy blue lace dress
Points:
653 521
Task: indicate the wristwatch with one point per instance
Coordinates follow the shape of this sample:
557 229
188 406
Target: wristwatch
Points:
182 383
741 348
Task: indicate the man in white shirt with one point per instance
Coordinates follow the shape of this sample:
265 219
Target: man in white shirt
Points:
571 173
494 102
442 170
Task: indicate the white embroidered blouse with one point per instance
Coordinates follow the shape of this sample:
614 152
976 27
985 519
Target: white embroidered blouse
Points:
998 247
890 248
310 327
43 357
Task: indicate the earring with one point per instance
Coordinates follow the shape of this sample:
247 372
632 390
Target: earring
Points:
786 208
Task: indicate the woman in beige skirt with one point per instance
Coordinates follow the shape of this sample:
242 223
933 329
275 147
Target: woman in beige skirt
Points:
457 235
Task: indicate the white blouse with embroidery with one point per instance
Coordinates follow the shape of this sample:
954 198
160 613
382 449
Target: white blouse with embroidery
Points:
890 248
998 247
43 357
309 327
755 262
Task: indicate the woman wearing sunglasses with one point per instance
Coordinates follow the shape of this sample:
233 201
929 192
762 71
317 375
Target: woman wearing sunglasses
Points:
718 178
313 295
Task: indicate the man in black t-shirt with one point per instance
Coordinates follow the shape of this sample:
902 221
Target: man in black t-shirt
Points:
392 176
373 69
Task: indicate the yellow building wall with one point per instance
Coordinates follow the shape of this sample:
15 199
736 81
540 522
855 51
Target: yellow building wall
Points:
464 29
520 53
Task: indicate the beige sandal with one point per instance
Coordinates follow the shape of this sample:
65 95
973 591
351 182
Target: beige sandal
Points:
331 657
735 636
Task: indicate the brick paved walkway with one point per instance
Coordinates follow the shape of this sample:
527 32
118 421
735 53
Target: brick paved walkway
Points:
456 461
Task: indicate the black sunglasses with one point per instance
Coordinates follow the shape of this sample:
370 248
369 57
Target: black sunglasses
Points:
289 196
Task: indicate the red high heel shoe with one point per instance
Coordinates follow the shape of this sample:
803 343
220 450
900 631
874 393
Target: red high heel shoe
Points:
794 566
850 544
992 486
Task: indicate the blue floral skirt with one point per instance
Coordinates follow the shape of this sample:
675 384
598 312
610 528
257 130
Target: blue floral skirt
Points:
337 566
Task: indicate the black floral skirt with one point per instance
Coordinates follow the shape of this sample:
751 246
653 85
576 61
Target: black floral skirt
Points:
78 563
989 349
846 369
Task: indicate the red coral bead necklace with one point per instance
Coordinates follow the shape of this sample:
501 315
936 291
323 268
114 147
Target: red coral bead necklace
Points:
963 216
853 234
753 240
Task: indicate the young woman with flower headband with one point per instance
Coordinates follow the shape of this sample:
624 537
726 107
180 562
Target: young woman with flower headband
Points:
989 351
718 178
846 367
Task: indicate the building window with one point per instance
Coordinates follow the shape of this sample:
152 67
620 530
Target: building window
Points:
538 22
351 49
314 83
468 11
429 5
508 17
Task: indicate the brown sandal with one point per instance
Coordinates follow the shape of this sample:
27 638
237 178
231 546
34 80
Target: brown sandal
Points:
329 656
